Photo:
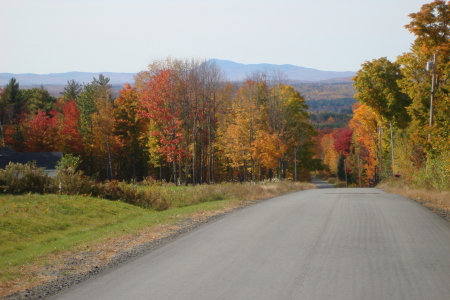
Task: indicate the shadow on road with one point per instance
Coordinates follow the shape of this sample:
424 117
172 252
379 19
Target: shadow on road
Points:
321 184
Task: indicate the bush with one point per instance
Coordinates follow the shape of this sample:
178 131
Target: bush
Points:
67 183
19 179
434 176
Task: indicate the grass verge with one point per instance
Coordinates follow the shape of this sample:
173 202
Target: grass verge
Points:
41 233
436 201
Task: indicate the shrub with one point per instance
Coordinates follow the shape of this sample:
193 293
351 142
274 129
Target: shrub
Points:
17 178
434 176
68 164
67 183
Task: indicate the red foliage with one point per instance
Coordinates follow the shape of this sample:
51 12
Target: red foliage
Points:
42 132
159 104
342 140
72 142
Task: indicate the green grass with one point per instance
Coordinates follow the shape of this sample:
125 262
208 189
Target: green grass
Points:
34 226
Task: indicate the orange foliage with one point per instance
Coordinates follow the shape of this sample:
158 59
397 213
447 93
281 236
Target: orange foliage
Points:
268 149
331 156
364 125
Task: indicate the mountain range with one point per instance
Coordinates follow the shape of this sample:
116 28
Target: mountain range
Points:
238 72
233 71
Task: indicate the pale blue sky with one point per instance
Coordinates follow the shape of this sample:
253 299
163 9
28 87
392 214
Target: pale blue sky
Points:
52 36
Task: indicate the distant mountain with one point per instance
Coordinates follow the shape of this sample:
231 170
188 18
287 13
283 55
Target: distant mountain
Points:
232 70
62 78
238 72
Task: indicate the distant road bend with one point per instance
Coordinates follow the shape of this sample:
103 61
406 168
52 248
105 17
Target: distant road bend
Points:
316 244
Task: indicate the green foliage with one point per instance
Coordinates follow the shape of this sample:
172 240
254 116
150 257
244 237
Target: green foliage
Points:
342 105
69 163
329 120
376 86
72 91
38 99
436 175
325 90
417 149
11 101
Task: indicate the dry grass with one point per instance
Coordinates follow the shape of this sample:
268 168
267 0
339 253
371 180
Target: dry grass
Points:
436 201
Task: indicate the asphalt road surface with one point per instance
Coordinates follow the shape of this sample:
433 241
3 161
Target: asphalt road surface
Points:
316 244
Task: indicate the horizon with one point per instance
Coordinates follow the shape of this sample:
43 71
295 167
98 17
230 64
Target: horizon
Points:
232 71
51 36
226 60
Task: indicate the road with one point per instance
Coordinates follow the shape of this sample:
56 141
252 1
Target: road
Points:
316 244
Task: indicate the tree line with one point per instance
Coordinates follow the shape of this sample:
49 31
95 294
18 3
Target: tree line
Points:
180 121
401 125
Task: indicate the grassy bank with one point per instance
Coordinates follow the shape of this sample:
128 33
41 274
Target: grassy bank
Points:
35 229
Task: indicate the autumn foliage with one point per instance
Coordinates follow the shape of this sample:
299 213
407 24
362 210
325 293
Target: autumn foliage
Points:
401 126
180 122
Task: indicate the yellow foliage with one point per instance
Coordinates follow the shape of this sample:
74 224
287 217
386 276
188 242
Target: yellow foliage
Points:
268 149
331 157
364 125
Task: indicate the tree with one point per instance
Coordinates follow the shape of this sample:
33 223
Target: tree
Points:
158 106
343 140
37 99
364 157
70 133
129 131
431 26
10 102
96 125
287 116
42 132
72 91
330 155
377 87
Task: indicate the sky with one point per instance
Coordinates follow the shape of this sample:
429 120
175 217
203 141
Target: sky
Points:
56 36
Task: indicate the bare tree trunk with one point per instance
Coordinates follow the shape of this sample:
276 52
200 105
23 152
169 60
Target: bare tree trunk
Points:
253 169
134 166
245 171
202 160
175 179
109 172
194 156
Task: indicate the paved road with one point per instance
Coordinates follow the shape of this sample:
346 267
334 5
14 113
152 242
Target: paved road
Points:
315 244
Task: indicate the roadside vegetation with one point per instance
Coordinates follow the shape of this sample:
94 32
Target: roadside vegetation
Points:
435 199
400 125
37 228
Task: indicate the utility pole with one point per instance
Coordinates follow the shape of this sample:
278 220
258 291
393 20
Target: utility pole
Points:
392 150
431 66
380 132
